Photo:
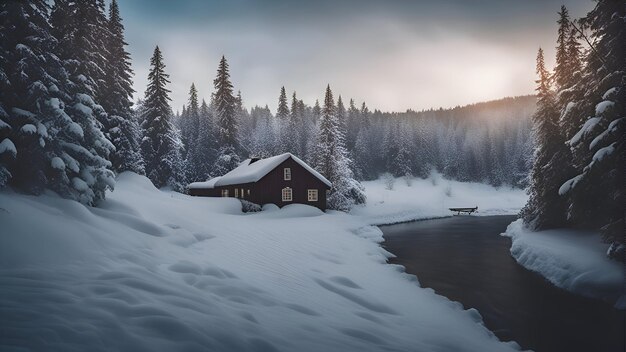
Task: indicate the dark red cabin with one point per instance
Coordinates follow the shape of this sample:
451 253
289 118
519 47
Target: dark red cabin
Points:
282 179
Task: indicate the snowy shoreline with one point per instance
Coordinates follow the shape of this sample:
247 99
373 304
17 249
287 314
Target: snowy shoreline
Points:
572 260
424 199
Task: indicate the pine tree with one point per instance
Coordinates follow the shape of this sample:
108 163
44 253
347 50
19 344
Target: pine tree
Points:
224 101
331 159
57 138
81 28
116 99
189 121
596 191
161 142
562 68
546 208
282 117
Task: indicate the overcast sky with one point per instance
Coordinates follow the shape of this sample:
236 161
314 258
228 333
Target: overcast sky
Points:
393 54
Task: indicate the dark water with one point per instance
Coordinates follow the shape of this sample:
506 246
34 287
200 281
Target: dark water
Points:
465 259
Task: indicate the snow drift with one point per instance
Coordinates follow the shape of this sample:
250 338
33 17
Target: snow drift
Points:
152 270
573 260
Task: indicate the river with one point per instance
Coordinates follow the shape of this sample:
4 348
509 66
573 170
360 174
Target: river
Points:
465 259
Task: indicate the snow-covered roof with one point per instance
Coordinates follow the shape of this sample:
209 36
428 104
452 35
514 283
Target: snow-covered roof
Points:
251 172
206 184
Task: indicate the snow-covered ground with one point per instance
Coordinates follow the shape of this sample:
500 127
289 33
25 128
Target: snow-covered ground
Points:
431 198
573 260
150 270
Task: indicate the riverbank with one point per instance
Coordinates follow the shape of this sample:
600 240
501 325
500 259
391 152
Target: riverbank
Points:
573 260
396 200
465 259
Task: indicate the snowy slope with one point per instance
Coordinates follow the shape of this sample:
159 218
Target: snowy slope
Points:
573 260
159 271
431 198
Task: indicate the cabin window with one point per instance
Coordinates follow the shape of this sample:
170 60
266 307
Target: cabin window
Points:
236 192
248 192
224 193
287 194
242 193
312 195
287 173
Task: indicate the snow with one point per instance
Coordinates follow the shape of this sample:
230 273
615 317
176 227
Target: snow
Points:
573 260
604 152
587 127
28 128
204 185
252 172
7 146
609 93
79 184
602 106
431 198
153 270
57 163
569 184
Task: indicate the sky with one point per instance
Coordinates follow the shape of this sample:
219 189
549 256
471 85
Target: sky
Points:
394 55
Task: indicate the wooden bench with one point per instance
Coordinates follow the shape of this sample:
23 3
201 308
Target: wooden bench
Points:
469 211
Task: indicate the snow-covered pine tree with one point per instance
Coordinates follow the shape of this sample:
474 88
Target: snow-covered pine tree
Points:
161 140
562 72
342 124
331 159
596 191
81 28
352 128
190 121
116 99
53 151
546 208
30 77
294 122
224 102
282 118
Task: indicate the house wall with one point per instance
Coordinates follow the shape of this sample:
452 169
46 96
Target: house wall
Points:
269 188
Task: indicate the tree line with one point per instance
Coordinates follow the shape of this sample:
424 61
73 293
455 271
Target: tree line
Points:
578 174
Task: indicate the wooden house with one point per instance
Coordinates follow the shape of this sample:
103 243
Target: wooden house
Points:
282 179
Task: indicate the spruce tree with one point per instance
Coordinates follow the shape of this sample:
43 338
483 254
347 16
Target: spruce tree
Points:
58 141
189 121
116 99
562 68
596 191
161 142
331 159
224 102
546 208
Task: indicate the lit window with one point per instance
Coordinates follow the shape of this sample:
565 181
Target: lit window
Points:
287 194
224 193
248 192
312 195
287 173
236 192
242 193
